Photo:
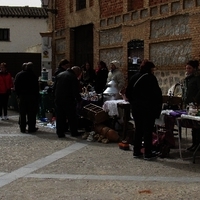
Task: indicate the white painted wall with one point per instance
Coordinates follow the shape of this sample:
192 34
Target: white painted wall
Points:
24 33
34 49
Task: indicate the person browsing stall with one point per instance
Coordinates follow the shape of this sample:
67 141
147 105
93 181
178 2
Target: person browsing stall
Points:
191 94
88 75
101 77
116 75
62 66
145 97
66 97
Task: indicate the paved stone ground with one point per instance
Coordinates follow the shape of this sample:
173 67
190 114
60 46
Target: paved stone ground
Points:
41 166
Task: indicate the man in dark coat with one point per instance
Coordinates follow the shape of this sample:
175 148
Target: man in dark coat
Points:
66 97
63 65
145 97
23 69
27 90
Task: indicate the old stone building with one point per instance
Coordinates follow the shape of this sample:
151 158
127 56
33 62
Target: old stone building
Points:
164 31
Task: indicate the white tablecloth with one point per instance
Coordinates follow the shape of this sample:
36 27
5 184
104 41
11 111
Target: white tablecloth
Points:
196 118
184 116
112 108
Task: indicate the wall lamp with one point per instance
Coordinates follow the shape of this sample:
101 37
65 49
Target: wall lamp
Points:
45 4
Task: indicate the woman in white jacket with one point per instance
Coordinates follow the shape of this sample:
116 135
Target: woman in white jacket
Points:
116 75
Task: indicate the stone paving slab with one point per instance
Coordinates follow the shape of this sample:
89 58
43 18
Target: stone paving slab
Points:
18 149
41 166
110 160
34 189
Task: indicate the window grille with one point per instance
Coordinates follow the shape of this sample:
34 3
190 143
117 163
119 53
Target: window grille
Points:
80 4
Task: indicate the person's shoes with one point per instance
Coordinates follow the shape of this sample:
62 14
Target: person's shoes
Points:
33 131
137 155
151 156
192 148
85 135
1 118
23 131
6 118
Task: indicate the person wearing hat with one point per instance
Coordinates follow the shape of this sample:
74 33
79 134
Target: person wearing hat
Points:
145 97
191 94
116 75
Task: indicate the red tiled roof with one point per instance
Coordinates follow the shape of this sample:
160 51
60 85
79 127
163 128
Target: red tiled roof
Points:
30 12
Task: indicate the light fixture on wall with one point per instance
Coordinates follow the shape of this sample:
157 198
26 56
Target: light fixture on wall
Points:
45 4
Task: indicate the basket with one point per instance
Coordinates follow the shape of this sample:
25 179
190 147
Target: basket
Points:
94 113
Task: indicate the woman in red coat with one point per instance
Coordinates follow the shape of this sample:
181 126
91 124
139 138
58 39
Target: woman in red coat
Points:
6 84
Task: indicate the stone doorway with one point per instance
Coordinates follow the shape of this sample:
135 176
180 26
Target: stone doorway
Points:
82 45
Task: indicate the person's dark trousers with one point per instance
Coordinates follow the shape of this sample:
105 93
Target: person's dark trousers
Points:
144 124
32 113
60 119
1 103
195 136
23 101
27 109
72 118
138 134
63 112
4 104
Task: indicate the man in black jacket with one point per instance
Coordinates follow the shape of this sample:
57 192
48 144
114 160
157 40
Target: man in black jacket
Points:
27 90
63 65
66 97
145 97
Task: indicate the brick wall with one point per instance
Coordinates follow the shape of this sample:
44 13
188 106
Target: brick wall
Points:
156 2
91 3
134 5
194 27
71 6
61 16
110 7
169 29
